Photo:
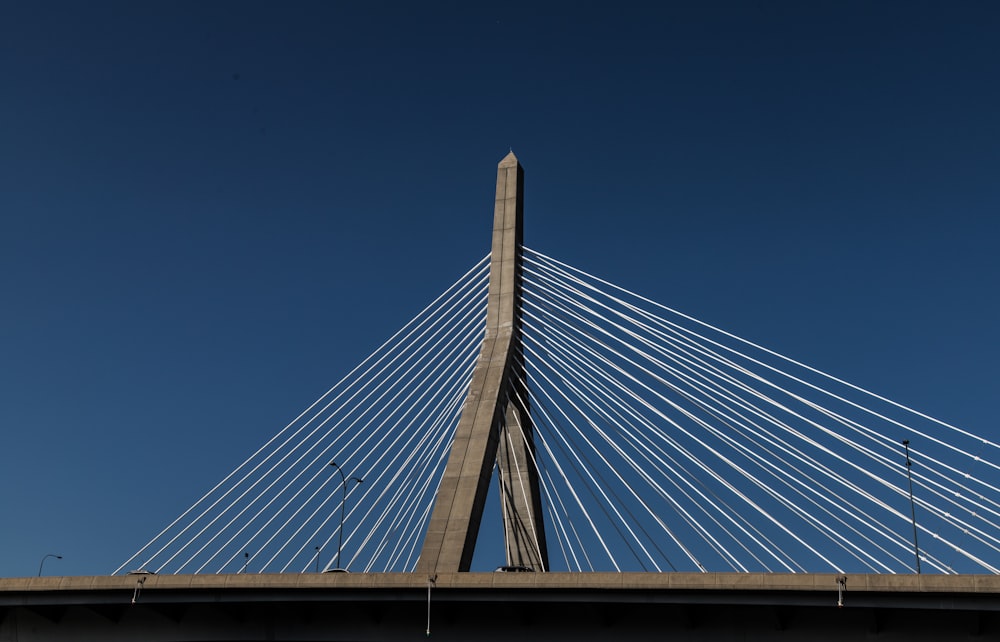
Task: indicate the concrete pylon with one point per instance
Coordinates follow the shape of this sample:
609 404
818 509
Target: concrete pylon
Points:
495 425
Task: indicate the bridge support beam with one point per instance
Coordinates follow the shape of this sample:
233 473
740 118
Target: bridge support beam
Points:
495 425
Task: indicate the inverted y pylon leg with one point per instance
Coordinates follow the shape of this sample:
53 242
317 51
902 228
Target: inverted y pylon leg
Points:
495 411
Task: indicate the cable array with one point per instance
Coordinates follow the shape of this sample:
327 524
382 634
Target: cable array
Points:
661 443
668 444
389 423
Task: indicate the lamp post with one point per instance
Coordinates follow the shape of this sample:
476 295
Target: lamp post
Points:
913 511
42 563
343 505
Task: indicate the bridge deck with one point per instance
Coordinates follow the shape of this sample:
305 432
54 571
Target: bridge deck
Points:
726 582
523 606
920 591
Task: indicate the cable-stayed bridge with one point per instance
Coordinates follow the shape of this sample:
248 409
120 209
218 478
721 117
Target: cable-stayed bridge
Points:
581 430
656 443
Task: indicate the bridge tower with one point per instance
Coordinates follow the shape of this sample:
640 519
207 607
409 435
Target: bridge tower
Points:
495 423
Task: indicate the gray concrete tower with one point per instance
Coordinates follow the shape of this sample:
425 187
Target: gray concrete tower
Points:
495 425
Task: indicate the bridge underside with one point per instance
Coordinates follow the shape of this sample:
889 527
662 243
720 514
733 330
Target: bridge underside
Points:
550 606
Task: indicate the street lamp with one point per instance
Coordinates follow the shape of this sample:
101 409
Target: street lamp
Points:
42 563
913 511
343 505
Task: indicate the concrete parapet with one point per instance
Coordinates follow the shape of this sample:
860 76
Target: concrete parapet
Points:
724 582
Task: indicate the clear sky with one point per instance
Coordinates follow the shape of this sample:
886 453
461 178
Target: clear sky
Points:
210 211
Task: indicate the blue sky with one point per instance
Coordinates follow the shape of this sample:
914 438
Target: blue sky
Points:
209 212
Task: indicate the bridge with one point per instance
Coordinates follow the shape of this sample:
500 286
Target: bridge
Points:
653 475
